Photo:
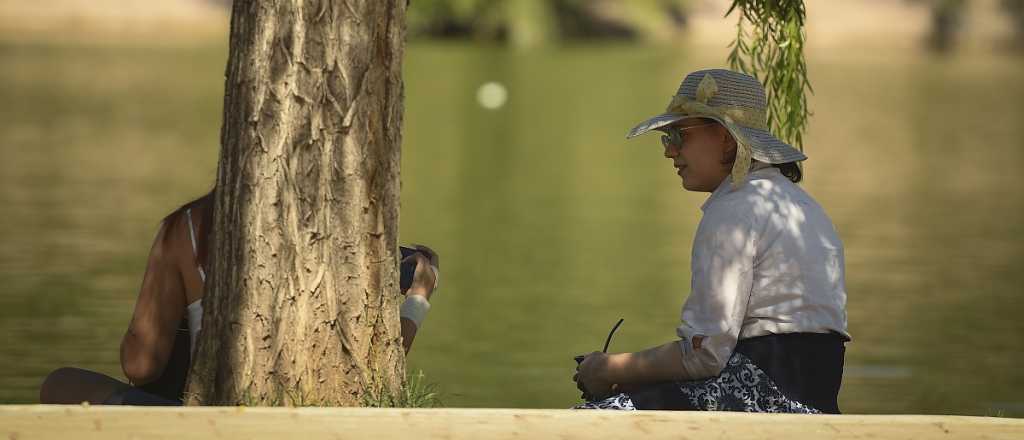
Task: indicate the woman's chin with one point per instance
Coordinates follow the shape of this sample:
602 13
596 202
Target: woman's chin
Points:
690 185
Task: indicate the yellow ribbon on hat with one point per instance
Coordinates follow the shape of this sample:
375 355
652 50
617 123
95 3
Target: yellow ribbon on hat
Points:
729 116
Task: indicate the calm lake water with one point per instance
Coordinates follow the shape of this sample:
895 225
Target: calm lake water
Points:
550 225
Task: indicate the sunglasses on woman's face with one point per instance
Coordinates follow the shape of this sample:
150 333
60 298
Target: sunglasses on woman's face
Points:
674 135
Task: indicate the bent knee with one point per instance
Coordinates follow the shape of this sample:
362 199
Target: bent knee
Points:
69 385
55 382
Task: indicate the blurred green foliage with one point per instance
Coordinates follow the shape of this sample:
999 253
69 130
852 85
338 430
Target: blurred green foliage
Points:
769 43
524 23
947 21
1015 8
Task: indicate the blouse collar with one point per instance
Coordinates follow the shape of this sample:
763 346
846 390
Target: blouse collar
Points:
758 170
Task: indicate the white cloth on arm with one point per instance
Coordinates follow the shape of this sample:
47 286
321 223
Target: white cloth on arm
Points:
415 309
195 321
766 259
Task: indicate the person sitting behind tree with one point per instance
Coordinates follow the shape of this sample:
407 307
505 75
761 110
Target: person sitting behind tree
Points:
156 349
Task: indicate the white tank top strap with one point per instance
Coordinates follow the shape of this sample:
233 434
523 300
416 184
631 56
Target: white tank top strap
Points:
195 249
195 321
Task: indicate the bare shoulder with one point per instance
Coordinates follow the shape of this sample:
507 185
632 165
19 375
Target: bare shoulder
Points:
199 214
171 242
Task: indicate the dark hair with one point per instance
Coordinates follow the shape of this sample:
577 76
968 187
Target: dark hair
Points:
791 170
203 224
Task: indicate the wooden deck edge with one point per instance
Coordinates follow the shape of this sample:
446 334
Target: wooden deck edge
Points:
65 422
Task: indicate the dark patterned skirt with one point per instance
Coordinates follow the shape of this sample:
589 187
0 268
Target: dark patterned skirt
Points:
741 386
786 373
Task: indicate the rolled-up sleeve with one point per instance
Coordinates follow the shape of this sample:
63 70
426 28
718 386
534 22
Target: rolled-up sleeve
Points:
722 276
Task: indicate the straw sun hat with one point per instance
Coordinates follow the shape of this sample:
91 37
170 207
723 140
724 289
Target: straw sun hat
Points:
735 100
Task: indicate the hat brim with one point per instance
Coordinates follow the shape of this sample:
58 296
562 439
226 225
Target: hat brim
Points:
764 147
656 123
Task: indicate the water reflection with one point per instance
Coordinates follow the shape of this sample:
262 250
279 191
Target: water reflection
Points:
550 225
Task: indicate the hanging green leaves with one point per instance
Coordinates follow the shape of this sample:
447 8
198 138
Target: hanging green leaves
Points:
769 45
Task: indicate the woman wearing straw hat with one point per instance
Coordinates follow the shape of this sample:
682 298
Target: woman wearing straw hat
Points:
764 327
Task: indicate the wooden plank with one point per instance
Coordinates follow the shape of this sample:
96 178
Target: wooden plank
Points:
57 422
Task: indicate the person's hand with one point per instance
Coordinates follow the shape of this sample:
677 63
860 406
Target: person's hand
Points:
591 377
424 279
435 260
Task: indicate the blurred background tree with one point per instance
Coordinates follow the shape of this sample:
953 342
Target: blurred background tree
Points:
526 23
769 42
948 18
1015 9
947 21
534 22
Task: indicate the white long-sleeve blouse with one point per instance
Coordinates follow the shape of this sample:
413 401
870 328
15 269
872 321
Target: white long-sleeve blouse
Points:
766 260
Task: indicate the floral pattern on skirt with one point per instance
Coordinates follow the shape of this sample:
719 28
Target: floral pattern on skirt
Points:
619 402
741 386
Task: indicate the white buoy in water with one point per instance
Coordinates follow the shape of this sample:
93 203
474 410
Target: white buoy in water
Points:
491 95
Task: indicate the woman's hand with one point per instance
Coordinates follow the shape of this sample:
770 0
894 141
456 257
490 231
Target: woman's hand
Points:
435 260
592 376
424 279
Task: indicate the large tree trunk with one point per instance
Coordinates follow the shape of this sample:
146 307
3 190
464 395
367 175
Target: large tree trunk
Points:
302 304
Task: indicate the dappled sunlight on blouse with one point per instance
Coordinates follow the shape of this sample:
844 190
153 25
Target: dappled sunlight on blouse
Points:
757 268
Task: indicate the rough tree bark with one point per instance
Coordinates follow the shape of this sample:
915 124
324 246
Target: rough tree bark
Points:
302 304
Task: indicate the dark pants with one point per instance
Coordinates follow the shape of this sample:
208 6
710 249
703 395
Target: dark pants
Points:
806 368
136 396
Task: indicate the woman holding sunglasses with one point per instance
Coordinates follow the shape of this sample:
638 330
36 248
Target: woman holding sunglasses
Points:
764 326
